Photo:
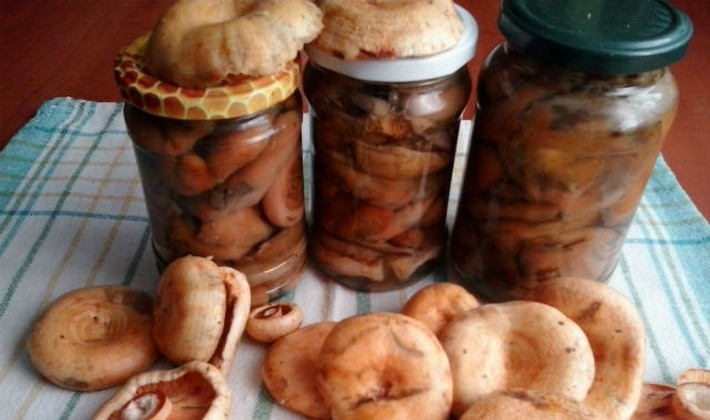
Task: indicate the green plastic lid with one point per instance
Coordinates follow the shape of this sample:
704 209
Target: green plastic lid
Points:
598 36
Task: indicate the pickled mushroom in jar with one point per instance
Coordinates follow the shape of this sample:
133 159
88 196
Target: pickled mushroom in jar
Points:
382 166
214 113
558 163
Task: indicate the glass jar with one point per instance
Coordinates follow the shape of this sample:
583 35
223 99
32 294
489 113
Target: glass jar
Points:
384 144
221 171
566 135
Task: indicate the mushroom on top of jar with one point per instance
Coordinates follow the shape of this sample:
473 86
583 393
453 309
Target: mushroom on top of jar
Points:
387 83
214 113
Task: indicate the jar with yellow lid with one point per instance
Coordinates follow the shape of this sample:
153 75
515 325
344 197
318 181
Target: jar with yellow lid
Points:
385 120
221 170
573 108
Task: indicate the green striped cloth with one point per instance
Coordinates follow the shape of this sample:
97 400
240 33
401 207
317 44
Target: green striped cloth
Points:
72 215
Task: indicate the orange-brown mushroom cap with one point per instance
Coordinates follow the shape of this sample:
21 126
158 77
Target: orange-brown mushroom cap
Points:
195 390
268 323
290 367
517 344
435 305
94 338
617 336
384 365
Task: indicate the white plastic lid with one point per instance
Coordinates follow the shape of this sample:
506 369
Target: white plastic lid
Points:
406 69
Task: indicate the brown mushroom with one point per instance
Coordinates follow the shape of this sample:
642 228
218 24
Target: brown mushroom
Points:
689 400
692 396
289 370
692 401
617 336
270 322
94 338
527 405
517 344
435 305
655 403
201 311
384 366
195 390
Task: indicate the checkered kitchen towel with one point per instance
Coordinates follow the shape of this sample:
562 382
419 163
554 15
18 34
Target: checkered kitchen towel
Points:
72 215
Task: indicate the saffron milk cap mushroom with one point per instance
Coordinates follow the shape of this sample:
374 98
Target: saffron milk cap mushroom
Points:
272 321
527 405
691 400
357 29
94 338
436 304
290 367
617 336
384 366
195 390
655 403
517 344
199 44
201 310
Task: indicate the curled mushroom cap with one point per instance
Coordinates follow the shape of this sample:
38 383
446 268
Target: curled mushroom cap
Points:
94 338
270 322
289 370
692 396
384 366
517 344
616 333
201 311
435 305
692 401
195 390
527 405
198 44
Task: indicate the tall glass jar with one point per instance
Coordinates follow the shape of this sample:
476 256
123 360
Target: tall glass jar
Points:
573 109
221 170
384 141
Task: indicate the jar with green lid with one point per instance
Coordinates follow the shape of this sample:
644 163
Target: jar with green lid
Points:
221 170
573 108
384 135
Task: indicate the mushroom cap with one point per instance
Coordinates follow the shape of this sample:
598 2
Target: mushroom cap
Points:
655 403
190 309
199 44
289 370
193 390
436 304
236 317
201 311
692 397
616 334
94 338
692 401
384 365
527 405
272 321
517 344
357 29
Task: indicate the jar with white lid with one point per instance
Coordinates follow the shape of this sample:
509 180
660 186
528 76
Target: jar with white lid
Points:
384 141
573 108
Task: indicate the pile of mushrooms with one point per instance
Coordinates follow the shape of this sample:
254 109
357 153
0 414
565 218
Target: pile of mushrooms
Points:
572 349
99 337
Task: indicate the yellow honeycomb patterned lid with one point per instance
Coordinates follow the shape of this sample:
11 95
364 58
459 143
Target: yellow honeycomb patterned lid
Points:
238 96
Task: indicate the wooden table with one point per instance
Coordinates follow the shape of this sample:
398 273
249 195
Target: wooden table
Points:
66 48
